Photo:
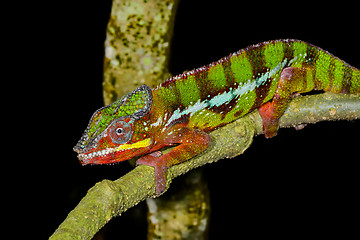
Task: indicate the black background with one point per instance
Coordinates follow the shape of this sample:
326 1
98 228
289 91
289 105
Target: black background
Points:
299 183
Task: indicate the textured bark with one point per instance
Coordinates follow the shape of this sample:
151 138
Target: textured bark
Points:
137 45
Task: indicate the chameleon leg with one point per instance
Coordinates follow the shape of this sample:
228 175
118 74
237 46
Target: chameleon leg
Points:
292 80
191 142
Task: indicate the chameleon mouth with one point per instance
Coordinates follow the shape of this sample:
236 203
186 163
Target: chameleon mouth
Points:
84 157
108 153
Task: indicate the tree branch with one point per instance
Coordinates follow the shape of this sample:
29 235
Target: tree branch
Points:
137 45
108 199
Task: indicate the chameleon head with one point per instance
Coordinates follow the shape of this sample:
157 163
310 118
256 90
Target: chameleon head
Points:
111 135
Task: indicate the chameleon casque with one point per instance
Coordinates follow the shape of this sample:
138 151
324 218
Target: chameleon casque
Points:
181 111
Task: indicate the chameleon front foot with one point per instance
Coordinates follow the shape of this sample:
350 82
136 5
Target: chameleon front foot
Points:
191 142
155 160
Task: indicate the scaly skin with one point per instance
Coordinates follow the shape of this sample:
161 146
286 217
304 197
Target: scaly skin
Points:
183 109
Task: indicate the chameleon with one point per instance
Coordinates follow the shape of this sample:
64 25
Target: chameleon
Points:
181 111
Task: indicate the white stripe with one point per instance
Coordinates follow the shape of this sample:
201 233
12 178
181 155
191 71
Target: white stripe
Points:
226 97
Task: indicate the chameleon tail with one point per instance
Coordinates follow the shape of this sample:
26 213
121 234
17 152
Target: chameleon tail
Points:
332 74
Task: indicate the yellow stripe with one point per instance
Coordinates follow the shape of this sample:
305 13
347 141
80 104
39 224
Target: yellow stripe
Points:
139 144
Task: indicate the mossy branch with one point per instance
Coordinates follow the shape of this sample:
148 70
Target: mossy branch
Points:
108 199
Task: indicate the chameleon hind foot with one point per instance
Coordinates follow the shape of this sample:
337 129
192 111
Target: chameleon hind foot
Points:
270 124
292 81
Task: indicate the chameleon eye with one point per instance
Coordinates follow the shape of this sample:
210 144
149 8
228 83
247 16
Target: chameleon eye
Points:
120 131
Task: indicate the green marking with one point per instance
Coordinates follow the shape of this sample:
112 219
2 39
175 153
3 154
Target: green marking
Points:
245 102
170 97
217 77
273 54
355 82
188 90
272 90
205 119
133 104
241 68
310 83
338 73
322 69
299 49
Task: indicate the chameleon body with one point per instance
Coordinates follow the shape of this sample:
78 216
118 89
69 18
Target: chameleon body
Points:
181 111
